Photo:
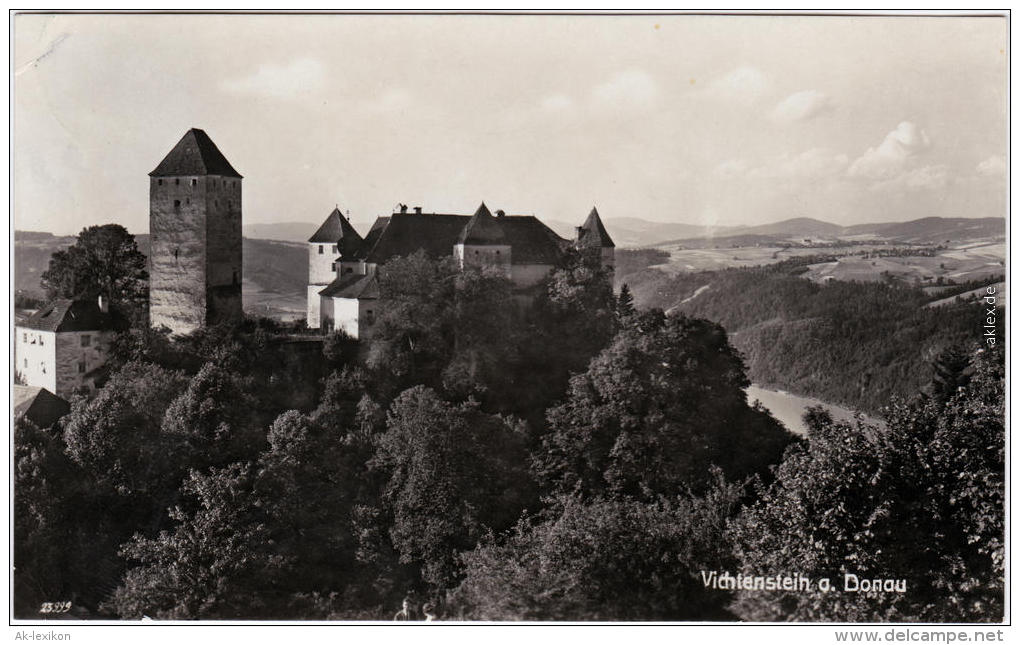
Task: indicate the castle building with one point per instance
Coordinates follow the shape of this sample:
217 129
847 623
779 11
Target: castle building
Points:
335 241
63 346
195 237
524 248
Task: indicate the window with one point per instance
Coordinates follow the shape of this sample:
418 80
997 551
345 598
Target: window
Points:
320 249
86 340
187 200
177 252
349 270
24 338
81 367
194 182
369 316
177 181
160 181
177 206
234 279
26 362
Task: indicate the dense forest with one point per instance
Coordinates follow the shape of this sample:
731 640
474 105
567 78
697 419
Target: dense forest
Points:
573 459
852 343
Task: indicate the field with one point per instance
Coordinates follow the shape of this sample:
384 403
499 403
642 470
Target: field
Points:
973 260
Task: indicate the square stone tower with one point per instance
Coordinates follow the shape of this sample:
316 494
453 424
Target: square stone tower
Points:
195 237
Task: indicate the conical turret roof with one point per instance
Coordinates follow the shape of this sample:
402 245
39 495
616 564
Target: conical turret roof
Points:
593 233
482 229
337 229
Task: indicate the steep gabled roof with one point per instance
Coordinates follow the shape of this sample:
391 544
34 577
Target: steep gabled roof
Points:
38 405
194 154
70 315
353 286
531 241
338 230
593 233
482 229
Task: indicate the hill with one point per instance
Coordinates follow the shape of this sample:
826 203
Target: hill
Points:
275 272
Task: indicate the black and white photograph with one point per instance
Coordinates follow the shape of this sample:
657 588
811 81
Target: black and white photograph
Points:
509 319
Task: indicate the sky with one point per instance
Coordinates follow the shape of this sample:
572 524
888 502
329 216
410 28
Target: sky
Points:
717 120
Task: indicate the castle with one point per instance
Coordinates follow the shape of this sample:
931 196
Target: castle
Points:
343 293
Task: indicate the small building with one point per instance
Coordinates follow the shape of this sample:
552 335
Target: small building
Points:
64 346
335 242
37 404
521 245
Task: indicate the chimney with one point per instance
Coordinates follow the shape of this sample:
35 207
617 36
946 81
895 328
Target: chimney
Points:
104 305
403 208
500 213
417 210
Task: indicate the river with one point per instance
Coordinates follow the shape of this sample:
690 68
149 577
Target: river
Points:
789 408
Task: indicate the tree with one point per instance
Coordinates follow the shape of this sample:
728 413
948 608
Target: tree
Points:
452 472
103 261
116 436
654 410
919 501
625 302
211 563
214 419
605 560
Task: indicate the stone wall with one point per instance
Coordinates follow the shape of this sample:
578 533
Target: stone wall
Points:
78 354
223 249
177 263
195 251
483 255
527 275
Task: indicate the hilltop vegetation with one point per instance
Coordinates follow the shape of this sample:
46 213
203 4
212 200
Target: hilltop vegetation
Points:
574 460
853 343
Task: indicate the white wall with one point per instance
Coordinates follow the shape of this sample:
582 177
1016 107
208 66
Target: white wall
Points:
320 266
35 356
346 315
314 305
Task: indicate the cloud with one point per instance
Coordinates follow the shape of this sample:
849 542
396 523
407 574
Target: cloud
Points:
557 103
924 178
994 166
817 163
899 148
633 89
743 84
802 106
296 79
